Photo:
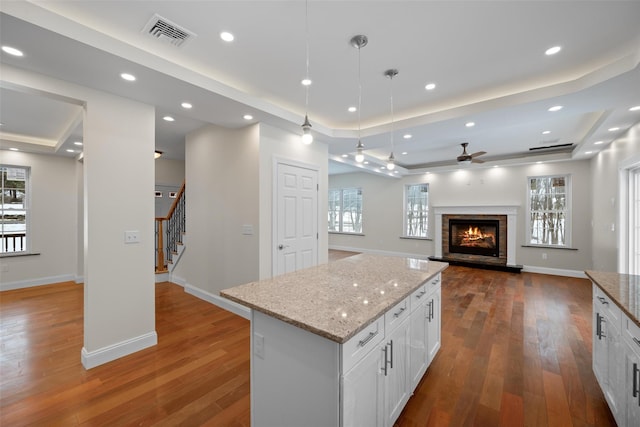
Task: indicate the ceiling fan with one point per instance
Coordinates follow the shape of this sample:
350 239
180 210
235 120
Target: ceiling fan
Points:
466 158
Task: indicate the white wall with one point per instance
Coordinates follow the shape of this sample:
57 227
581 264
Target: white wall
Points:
119 296
277 143
222 197
383 203
606 203
169 172
52 223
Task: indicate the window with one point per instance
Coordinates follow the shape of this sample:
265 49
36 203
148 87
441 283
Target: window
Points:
548 222
345 210
13 209
634 221
416 214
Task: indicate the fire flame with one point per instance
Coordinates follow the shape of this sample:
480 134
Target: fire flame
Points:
474 232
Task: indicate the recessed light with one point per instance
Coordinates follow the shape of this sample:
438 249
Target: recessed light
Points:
546 132
366 163
495 166
13 149
12 51
128 77
598 143
247 117
613 129
345 156
407 136
470 124
306 81
352 109
588 152
186 105
430 86
168 119
538 163
69 150
553 50
78 143
636 108
404 153
556 108
227 36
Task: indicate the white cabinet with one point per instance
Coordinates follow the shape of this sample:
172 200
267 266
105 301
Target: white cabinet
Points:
363 387
396 371
425 329
631 338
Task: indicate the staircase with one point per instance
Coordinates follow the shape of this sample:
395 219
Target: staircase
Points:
170 237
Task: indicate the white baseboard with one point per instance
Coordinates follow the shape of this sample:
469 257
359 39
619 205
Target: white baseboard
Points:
223 303
7 286
554 271
91 359
162 277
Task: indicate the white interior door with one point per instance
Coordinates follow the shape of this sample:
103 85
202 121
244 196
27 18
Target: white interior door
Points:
296 234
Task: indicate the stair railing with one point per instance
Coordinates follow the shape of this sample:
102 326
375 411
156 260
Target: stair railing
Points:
169 232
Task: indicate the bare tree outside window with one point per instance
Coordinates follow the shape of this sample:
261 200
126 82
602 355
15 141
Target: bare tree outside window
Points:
345 210
416 210
548 220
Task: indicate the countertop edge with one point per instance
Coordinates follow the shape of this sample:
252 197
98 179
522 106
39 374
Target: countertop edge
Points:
323 333
612 297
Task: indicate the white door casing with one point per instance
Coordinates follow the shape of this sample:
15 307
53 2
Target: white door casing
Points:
295 217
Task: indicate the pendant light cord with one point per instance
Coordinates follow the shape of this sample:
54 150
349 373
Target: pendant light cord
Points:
306 24
391 97
359 92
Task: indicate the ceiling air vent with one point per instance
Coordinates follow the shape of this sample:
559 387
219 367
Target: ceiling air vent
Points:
557 147
166 31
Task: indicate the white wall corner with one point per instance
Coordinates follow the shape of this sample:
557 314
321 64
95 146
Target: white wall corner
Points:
219 301
91 359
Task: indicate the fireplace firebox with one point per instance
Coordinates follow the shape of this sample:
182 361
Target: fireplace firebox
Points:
474 236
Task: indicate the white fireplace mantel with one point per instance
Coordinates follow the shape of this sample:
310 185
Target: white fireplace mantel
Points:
510 211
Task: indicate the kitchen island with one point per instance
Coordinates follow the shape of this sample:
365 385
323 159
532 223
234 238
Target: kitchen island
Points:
343 343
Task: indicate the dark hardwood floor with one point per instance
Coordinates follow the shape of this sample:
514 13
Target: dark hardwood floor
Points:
516 351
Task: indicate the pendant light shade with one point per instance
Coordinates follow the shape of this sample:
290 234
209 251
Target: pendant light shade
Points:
359 42
307 138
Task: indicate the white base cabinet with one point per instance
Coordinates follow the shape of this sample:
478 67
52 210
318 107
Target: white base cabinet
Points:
616 358
302 379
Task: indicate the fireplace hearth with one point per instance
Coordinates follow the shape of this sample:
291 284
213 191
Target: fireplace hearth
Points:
474 236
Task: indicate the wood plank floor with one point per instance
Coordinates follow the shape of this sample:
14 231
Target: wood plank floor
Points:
516 351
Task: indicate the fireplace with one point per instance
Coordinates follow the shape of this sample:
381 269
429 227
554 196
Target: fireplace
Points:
474 236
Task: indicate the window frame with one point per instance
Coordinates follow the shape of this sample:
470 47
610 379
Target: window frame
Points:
405 212
341 215
567 212
26 206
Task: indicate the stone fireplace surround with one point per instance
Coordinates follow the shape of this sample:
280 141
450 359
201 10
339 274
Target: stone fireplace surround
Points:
508 219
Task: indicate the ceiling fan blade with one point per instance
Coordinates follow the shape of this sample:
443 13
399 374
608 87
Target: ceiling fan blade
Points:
479 153
477 161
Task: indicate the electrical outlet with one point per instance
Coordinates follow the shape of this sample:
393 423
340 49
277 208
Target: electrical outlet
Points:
544 255
258 345
131 237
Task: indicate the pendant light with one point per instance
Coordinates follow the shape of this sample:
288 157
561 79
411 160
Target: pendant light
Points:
359 42
307 137
391 161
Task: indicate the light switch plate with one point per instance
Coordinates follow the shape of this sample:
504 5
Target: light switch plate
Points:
131 237
258 345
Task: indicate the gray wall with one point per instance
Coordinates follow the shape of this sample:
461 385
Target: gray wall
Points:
383 204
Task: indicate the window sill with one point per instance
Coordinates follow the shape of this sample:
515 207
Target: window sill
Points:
415 238
18 254
566 248
346 234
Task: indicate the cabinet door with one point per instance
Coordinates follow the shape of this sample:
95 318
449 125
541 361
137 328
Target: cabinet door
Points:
397 373
434 319
632 384
599 350
614 389
418 357
363 392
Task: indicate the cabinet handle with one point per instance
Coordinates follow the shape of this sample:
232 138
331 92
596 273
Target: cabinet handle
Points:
421 294
430 314
391 358
635 340
384 365
635 380
599 320
369 337
603 300
398 313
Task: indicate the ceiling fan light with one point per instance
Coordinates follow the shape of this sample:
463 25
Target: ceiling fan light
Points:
157 154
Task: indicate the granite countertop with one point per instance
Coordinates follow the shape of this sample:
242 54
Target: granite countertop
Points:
338 299
623 289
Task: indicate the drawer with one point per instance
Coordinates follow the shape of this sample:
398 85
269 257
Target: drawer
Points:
604 305
434 283
631 334
397 314
418 297
361 343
